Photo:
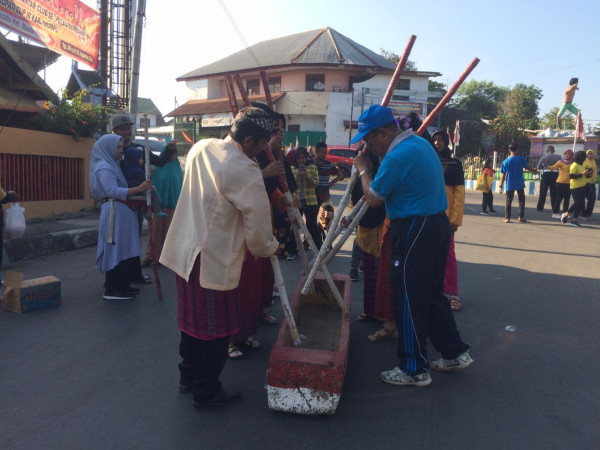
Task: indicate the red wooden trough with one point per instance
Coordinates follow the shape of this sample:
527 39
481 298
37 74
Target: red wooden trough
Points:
308 379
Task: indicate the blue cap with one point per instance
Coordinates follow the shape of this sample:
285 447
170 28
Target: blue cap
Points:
375 117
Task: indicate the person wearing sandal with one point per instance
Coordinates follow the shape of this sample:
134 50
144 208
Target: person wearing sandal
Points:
222 210
454 179
367 238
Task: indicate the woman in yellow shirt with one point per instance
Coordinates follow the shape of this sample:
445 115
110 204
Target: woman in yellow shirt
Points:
578 182
590 188
563 191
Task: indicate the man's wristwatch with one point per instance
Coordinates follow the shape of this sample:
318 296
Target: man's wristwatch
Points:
362 172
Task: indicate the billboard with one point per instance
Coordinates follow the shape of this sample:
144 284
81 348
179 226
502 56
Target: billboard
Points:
404 108
67 27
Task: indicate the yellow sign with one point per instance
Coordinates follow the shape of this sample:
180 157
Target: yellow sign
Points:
66 26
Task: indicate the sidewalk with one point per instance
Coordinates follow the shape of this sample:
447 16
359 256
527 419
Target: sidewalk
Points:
54 234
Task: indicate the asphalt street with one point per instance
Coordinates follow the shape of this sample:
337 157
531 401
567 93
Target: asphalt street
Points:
97 374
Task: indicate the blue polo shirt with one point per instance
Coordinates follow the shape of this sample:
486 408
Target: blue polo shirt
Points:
410 179
513 168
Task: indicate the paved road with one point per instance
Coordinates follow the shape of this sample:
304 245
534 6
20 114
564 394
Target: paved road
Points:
97 374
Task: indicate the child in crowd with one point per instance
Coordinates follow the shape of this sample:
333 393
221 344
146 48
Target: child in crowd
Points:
135 175
487 205
326 210
307 179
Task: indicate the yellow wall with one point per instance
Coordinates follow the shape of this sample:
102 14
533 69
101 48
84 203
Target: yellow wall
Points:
30 142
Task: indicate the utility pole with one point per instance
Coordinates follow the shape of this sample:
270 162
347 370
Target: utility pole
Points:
137 48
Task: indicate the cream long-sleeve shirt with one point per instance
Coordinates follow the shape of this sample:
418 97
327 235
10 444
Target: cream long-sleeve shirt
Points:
223 208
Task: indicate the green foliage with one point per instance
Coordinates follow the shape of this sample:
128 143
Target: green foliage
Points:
435 86
410 66
521 102
508 129
479 99
73 117
471 132
548 120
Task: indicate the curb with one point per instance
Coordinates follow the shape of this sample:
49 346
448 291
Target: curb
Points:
44 244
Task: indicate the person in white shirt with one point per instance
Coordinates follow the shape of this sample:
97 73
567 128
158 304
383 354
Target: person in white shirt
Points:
223 210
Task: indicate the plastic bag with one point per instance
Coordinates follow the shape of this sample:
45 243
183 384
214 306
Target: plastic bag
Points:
15 220
481 184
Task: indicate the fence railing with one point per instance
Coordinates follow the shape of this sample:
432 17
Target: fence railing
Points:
41 178
473 167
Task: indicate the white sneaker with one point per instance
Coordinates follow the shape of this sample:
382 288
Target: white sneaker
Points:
564 217
556 216
463 361
397 377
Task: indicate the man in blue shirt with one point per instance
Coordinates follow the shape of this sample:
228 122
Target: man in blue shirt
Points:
410 182
512 172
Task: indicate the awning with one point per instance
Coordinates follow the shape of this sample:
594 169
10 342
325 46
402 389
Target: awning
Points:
217 105
15 100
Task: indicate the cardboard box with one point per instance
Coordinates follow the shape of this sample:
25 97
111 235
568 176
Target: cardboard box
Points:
23 296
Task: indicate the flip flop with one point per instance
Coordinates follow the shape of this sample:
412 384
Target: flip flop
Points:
267 318
145 280
365 318
455 304
234 352
381 334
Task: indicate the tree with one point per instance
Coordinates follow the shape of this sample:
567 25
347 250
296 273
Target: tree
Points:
548 120
521 102
435 86
72 116
508 129
480 99
410 66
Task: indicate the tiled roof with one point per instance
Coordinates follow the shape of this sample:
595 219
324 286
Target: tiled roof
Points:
323 47
218 105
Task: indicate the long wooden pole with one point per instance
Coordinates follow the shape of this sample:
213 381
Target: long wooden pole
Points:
399 68
446 98
149 211
420 131
354 178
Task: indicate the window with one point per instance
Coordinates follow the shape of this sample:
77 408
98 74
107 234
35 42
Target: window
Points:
253 87
401 98
336 152
275 84
144 121
403 84
294 128
315 82
350 153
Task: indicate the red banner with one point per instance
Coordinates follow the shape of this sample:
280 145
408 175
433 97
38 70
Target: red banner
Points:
68 27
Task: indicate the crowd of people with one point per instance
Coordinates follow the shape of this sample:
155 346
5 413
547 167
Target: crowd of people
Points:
217 225
573 176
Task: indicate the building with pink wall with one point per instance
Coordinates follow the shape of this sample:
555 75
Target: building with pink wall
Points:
315 72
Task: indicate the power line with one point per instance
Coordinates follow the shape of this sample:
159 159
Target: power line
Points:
258 64
529 61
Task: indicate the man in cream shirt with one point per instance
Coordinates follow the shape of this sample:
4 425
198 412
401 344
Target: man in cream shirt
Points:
223 210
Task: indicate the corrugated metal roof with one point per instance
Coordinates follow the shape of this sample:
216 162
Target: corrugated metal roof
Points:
217 105
18 101
147 106
324 47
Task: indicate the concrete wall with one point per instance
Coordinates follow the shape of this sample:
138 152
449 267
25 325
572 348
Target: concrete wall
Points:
340 105
562 144
29 142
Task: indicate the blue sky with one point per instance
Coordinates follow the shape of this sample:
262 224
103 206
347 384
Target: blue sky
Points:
529 41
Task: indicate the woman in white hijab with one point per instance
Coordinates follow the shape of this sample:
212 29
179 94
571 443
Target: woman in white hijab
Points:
118 239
